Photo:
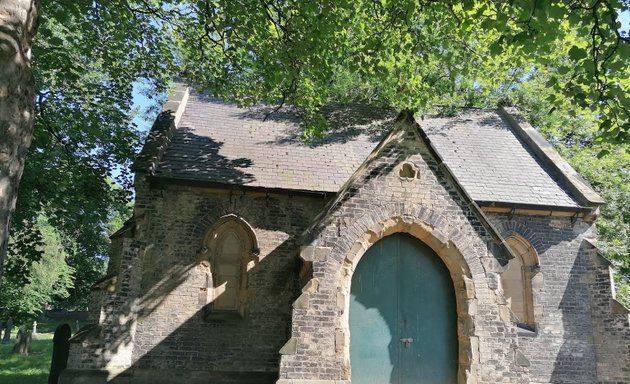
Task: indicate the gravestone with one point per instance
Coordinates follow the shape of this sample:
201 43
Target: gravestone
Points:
8 326
23 341
61 351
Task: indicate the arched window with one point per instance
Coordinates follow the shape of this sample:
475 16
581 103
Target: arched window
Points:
517 282
231 251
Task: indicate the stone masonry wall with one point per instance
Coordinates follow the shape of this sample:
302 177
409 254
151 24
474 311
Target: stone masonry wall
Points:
108 345
561 350
611 321
169 339
429 207
171 333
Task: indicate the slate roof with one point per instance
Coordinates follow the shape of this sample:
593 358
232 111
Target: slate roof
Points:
491 163
219 143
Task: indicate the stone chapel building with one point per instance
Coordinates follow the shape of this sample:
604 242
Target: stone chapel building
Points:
395 250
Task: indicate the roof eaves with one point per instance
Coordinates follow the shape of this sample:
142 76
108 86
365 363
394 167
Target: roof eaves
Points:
127 230
106 282
185 182
536 207
162 131
568 176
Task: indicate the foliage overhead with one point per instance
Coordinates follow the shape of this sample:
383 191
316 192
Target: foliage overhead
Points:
86 58
48 279
406 53
566 63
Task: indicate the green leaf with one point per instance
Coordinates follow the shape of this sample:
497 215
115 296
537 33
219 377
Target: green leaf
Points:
577 54
563 70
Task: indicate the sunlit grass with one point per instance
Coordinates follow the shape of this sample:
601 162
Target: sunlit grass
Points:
31 369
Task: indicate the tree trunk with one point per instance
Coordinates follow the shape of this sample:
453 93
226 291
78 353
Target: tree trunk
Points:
18 26
8 327
23 341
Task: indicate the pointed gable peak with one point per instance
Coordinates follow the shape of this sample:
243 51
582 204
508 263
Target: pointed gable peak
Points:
406 116
405 130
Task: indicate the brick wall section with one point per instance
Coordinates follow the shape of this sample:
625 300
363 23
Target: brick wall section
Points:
562 351
377 195
171 333
611 322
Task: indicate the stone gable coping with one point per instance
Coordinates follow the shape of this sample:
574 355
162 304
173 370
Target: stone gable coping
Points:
616 306
461 190
552 159
405 123
162 131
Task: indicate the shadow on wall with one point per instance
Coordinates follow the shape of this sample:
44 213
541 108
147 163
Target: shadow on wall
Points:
229 347
576 359
173 342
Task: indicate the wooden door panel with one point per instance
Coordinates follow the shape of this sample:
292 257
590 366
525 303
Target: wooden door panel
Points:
403 322
373 317
428 316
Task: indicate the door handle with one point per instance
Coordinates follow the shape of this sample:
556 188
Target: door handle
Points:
406 341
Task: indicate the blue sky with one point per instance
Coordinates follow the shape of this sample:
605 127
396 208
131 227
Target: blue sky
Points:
142 102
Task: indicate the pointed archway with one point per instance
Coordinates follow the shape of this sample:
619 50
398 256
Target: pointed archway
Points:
402 315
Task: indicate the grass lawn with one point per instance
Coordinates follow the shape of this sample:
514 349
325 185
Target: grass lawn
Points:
31 369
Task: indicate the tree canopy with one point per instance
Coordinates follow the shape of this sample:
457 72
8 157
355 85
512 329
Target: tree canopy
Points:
49 278
85 61
408 53
565 63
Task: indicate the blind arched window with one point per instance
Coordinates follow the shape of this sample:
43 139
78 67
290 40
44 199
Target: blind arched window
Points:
231 250
517 284
228 274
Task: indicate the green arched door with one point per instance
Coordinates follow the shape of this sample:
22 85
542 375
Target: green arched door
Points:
403 320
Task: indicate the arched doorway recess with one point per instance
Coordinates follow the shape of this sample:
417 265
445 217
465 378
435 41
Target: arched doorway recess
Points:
402 315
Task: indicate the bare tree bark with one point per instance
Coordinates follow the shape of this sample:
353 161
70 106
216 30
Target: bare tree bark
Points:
18 26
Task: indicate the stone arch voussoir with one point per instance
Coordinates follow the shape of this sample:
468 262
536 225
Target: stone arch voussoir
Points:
215 218
446 240
514 228
236 220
